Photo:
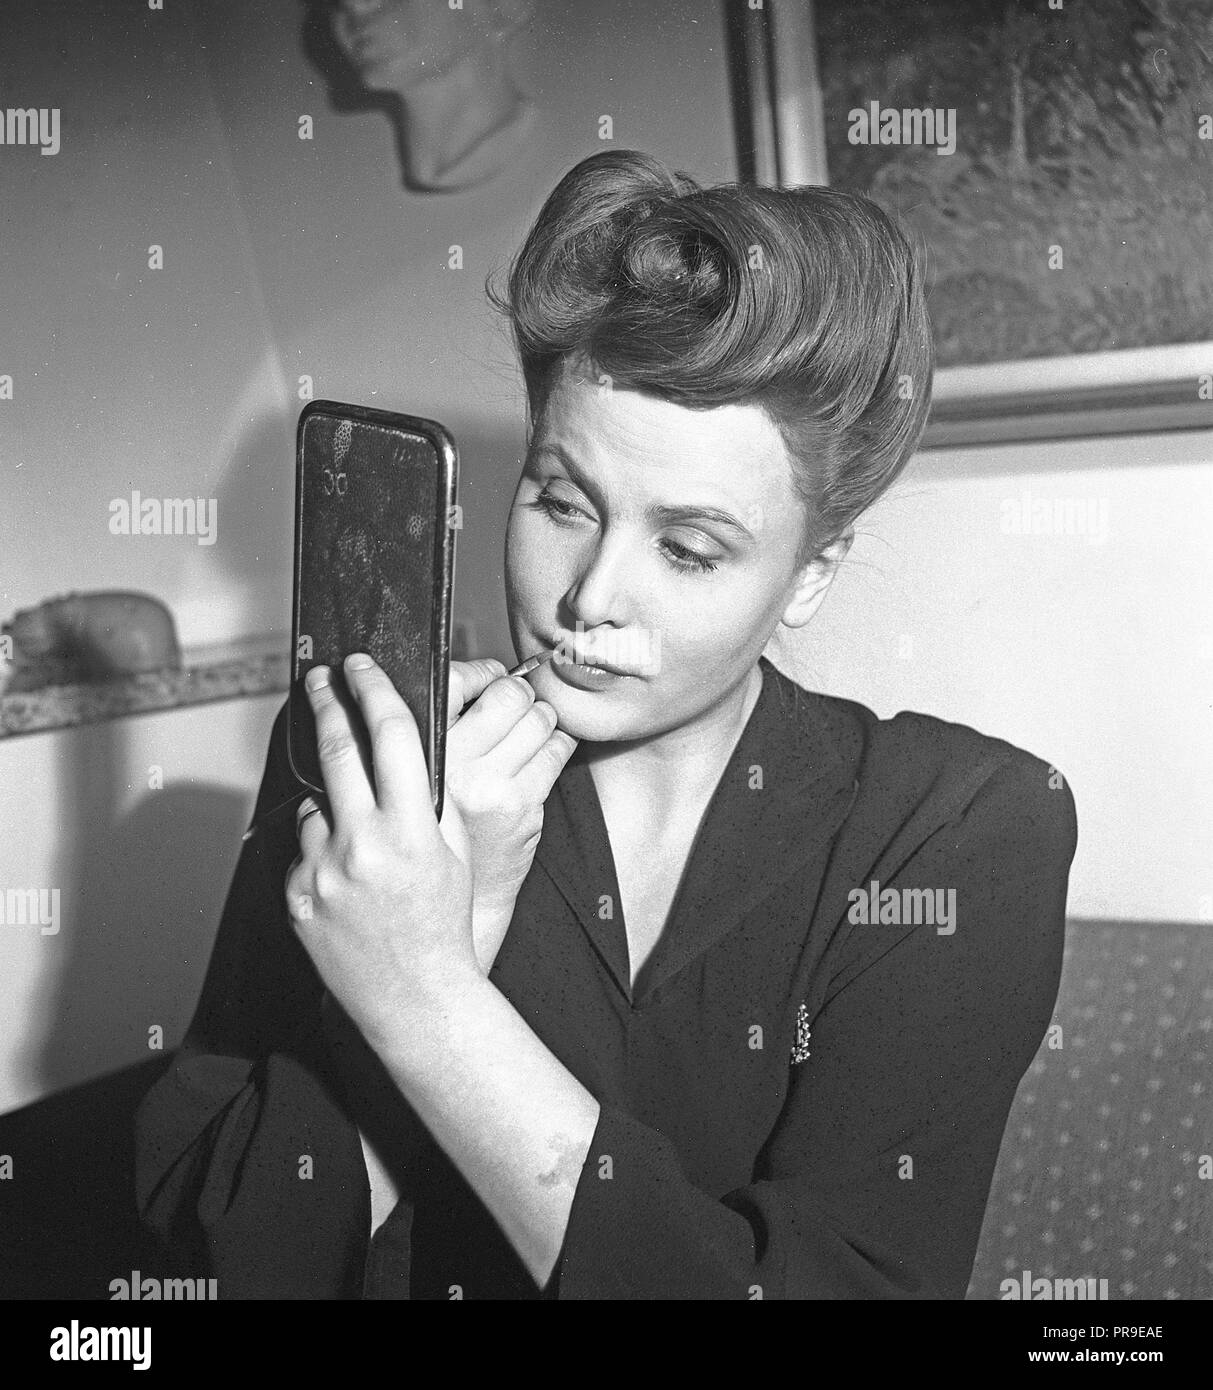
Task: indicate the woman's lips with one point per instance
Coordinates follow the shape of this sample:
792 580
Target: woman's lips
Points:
583 677
566 653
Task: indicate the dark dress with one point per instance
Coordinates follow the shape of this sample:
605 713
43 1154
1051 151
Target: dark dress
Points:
795 1102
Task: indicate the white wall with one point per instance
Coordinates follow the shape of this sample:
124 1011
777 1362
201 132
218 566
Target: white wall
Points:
141 876
1095 655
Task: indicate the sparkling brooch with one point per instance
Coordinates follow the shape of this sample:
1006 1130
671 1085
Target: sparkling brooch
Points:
800 1049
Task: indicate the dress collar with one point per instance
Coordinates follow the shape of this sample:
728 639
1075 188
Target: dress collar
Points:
785 789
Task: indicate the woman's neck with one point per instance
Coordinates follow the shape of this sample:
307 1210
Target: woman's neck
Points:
667 781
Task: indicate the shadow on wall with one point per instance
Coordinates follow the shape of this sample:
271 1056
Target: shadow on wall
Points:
255 501
141 897
142 893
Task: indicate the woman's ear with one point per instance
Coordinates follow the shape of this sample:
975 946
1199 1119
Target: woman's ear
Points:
814 579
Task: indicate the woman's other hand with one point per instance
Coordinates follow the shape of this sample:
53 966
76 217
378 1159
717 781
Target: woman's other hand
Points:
503 756
380 898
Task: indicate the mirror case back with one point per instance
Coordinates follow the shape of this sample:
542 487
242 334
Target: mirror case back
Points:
374 567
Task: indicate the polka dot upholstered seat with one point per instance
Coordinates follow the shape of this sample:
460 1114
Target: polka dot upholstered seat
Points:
1099 1172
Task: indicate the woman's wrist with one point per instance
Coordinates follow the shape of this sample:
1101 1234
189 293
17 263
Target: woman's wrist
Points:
415 1044
492 914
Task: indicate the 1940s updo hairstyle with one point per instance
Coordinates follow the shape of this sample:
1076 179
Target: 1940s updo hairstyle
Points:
807 302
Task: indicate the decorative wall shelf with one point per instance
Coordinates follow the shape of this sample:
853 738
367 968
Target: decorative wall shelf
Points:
256 666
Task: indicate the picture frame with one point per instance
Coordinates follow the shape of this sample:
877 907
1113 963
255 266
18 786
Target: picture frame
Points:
1131 390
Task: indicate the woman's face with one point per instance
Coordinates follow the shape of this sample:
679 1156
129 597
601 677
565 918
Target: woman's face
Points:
679 602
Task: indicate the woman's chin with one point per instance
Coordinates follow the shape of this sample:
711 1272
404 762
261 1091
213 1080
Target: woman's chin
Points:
591 715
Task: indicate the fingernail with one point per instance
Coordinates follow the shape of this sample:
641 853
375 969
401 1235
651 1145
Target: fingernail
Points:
317 678
359 661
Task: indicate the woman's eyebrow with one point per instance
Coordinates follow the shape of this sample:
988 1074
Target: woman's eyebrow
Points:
692 512
662 512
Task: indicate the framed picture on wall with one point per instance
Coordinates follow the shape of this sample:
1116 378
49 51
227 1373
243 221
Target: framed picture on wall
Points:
1055 163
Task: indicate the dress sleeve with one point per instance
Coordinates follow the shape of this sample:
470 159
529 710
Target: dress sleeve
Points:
260 985
874 1181
246 1105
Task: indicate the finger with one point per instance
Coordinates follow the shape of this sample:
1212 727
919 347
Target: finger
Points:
311 826
483 727
402 780
523 741
468 680
297 890
538 777
349 789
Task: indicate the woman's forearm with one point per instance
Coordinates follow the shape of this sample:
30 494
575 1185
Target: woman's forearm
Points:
514 1121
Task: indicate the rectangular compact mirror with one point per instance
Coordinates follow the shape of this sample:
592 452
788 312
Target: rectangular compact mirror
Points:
374 567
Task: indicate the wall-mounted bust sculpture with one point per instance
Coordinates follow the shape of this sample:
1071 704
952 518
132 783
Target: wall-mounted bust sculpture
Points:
462 116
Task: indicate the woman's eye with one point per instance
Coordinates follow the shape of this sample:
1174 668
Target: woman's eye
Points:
681 557
556 507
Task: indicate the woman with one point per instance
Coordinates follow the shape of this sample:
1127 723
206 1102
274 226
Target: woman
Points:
706 986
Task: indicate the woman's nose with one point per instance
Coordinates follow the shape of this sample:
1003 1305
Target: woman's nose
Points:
599 595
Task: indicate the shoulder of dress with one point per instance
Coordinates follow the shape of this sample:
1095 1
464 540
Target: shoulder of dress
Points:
947 773
940 743
919 761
